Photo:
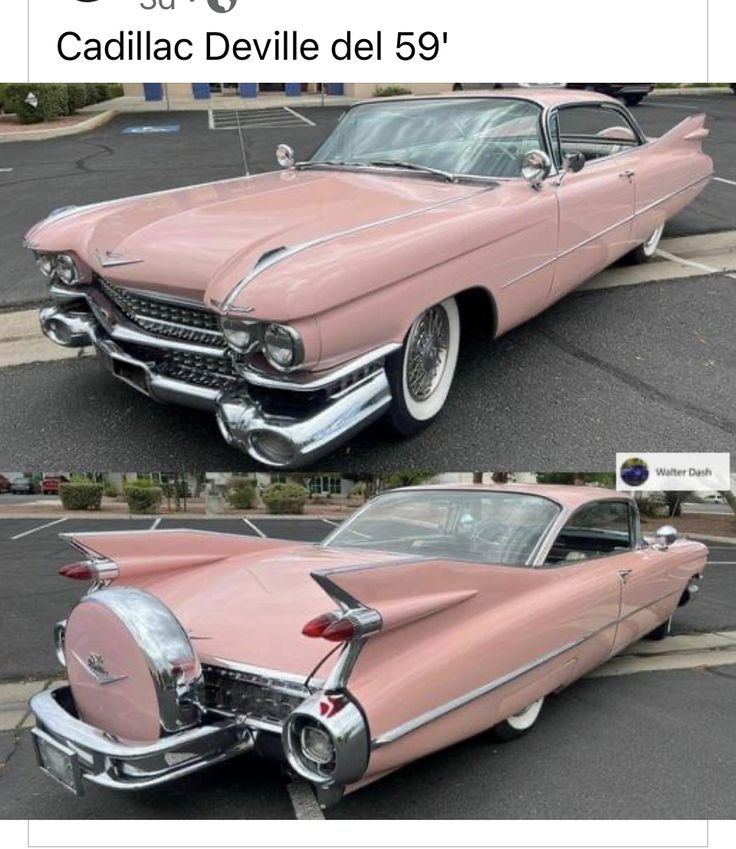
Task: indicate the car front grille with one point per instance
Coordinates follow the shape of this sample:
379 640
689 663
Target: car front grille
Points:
166 318
250 695
200 370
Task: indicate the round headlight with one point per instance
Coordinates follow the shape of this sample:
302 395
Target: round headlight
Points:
45 263
317 745
282 346
241 335
65 270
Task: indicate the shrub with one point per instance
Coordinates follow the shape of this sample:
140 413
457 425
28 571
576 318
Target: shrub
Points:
77 96
281 498
360 490
241 494
4 100
81 495
390 91
53 101
143 499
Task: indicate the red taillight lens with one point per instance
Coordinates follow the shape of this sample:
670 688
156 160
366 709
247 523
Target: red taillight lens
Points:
78 572
316 627
339 631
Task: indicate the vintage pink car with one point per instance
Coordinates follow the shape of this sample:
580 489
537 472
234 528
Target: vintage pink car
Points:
433 614
302 305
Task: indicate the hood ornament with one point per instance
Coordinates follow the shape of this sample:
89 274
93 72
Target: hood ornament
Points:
110 259
95 667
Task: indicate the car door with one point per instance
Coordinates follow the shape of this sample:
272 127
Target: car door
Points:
596 204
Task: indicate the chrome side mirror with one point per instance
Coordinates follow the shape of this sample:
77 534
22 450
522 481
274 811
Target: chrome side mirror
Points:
536 167
285 156
665 537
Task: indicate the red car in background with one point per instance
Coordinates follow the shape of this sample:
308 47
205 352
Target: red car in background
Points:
51 486
4 484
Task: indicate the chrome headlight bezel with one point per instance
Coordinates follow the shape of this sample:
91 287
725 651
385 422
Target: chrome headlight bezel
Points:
290 341
242 335
59 268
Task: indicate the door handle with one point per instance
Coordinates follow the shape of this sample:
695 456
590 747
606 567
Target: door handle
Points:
628 174
624 574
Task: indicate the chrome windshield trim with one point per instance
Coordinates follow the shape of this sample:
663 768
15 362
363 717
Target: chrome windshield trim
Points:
442 710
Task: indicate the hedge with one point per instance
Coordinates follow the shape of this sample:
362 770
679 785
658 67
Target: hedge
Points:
241 494
81 496
143 499
282 498
54 99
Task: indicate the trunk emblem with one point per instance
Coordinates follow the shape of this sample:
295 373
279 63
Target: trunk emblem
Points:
95 667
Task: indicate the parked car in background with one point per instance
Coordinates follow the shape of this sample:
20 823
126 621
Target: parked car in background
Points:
712 498
733 87
22 486
429 616
631 93
51 485
301 306
4 484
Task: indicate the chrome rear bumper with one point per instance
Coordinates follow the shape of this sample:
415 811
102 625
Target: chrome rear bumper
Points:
288 439
93 756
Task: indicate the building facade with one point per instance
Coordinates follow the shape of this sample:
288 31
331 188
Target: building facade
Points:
212 91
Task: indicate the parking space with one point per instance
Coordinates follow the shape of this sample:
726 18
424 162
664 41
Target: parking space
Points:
260 119
674 726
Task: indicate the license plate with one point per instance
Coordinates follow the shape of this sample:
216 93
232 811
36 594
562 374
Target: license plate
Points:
58 762
132 374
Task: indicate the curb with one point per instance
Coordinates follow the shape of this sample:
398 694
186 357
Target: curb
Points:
696 91
57 132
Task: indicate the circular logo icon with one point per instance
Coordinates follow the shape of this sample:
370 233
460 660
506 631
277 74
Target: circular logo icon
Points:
634 471
222 6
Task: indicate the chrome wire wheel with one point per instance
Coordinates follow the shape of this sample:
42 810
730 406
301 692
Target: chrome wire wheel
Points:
426 355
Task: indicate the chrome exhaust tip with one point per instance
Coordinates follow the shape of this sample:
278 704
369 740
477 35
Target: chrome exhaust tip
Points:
68 329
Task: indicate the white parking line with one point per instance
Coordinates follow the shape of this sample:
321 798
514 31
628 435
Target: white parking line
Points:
724 180
156 523
39 528
330 522
298 115
254 528
693 264
303 800
5 170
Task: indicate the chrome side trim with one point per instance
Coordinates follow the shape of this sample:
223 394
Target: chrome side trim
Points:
287 253
442 710
261 671
621 223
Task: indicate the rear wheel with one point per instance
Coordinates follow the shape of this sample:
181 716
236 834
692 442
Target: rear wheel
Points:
421 373
520 723
661 631
648 249
633 99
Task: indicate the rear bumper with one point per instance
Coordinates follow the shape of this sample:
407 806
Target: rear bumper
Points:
92 756
279 424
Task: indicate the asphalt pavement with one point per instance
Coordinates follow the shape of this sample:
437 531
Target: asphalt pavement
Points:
649 745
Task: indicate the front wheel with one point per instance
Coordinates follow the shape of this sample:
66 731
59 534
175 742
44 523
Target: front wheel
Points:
421 373
646 251
520 723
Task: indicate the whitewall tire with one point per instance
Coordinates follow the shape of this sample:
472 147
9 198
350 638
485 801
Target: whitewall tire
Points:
648 249
520 723
421 373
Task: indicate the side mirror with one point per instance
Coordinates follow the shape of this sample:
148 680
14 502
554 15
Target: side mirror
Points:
573 162
285 156
535 168
665 537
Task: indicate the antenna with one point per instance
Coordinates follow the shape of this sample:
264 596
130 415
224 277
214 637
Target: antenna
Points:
242 142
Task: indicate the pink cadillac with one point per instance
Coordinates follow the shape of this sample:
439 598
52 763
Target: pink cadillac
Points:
431 615
302 305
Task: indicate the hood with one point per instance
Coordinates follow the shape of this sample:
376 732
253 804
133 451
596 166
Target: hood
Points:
207 238
251 609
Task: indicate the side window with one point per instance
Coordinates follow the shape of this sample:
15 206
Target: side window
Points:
596 530
595 131
554 136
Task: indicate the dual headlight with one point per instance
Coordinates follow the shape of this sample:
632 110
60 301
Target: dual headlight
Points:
280 344
59 268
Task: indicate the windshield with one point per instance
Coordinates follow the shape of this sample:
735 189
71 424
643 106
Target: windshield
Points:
483 137
483 527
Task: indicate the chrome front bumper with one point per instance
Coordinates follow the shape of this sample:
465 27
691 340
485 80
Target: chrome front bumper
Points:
297 437
93 756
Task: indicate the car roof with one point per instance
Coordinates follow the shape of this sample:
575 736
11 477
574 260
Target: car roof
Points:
545 97
570 497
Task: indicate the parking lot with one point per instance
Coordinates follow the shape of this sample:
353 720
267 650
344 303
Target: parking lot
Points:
655 744
649 365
